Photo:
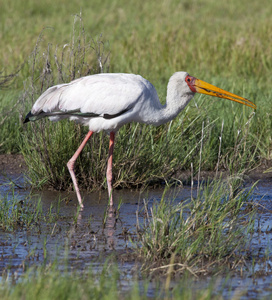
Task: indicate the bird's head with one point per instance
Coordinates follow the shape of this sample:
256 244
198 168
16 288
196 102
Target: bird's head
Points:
199 86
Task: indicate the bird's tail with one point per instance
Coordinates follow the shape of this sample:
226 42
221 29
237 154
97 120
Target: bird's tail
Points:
30 117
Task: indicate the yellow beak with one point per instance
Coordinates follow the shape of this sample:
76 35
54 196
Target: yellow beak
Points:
203 87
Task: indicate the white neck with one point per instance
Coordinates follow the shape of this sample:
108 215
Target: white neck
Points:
178 96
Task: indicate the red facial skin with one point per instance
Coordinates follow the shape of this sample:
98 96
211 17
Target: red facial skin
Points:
190 80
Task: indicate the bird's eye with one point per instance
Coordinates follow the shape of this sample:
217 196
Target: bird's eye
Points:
188 79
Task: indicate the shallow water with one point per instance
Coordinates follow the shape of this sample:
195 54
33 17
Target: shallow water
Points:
85 239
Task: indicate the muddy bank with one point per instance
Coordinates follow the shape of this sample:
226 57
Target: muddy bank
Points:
15 164
12 163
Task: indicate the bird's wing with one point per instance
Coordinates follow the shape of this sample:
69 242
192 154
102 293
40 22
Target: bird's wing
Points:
100 94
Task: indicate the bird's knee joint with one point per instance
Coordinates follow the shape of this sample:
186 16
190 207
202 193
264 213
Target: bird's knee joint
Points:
70 165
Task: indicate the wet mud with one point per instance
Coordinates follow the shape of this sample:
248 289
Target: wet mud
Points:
89 237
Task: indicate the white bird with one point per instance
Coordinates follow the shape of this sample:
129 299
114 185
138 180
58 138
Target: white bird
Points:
108 101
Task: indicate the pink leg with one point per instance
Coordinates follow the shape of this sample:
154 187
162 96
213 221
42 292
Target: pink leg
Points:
109 168
71 164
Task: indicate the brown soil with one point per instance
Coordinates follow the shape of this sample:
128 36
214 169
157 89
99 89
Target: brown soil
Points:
15 164
12 163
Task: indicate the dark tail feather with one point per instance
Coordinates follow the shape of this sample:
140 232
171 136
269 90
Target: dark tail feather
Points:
27 118
71 113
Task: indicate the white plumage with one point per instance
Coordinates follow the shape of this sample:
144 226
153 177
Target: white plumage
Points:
108 101
99 94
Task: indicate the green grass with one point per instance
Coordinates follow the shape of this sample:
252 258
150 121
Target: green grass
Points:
50 283
10 123
224 43
154 39
200 234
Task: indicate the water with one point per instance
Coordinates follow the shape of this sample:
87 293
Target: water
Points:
84 238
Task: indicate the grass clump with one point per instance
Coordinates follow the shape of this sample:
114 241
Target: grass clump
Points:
200 234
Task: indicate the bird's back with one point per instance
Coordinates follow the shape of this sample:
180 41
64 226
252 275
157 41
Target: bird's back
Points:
99 94
102 101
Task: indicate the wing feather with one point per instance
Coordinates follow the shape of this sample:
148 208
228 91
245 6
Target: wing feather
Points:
98 94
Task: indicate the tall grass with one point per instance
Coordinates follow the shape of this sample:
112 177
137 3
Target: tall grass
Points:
10 122
144 154
154 40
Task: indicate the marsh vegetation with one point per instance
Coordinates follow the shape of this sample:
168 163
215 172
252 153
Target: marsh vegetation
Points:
208 232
